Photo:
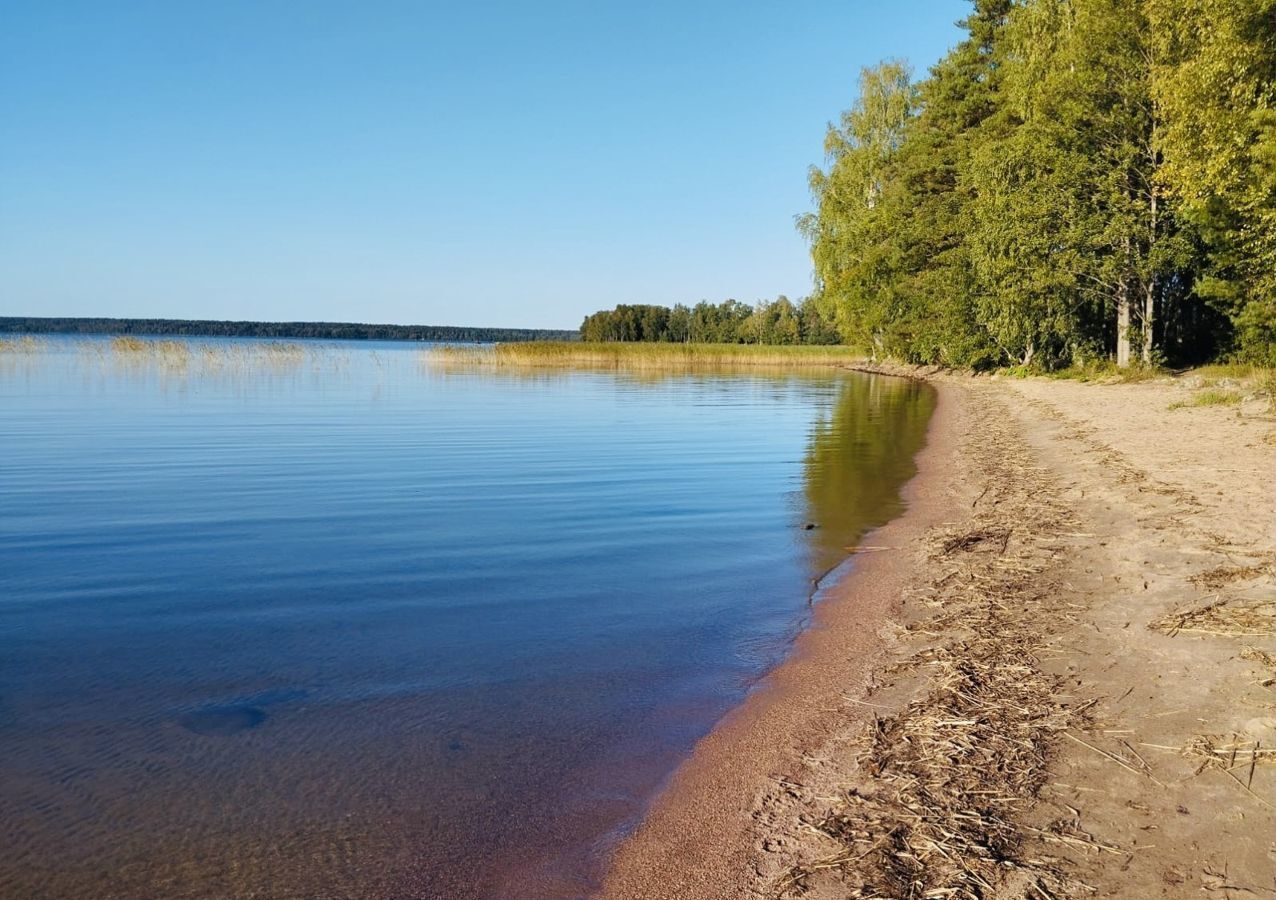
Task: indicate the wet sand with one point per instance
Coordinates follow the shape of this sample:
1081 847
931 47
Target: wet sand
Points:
704 834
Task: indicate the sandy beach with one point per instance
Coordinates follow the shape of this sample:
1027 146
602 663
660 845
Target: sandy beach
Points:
1053 676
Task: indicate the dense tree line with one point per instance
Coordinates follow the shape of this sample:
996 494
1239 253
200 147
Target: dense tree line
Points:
328 330
1075 180
778 321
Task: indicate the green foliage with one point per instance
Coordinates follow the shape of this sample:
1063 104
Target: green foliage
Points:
854 258
775 323
628 323
1077 180
1215 78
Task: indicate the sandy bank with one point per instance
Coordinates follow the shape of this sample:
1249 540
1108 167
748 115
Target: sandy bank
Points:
703 836
1056 681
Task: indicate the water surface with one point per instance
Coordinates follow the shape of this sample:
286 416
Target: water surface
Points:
334 623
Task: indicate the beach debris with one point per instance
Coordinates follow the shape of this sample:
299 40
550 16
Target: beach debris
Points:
977 538
1223 618
1220 576
1214 879
1230 754
1264 659
934 805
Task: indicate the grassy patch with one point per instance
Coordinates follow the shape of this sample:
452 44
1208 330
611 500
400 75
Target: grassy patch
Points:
1210 397
1266 384
1229 383
1234 371
580 354
1108 373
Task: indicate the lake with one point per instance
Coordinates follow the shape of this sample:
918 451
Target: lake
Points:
326 620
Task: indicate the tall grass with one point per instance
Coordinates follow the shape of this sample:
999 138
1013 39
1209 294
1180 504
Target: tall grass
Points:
1235 371
580 354
206 354
23 344
169 353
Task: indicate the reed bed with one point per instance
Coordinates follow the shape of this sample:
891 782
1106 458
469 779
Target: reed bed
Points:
164 352
23 344
934 806
209 353
184 357
582 355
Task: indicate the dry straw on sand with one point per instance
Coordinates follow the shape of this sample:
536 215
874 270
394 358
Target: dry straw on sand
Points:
941 786
1224 575
1223 618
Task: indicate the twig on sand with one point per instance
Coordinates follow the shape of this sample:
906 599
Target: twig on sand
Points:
1116 759
1223 618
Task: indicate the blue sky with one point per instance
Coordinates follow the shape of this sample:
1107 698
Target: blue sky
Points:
484 163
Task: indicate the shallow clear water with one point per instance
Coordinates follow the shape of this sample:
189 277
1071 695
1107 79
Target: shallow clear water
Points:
340 624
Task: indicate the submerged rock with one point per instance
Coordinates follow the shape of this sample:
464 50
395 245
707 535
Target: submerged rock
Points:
222 720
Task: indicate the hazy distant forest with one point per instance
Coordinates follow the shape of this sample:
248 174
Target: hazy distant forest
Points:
1076 181
351 331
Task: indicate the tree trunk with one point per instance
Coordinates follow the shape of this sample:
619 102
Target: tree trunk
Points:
1149 295
1149 314
1123 324
1123 307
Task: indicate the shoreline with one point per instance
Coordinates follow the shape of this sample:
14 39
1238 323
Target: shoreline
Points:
715 794
1056 679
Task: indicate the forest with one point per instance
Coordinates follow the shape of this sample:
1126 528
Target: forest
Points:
1077 181
778 322
328 330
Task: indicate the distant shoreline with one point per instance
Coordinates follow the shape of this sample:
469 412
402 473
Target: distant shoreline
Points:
354 331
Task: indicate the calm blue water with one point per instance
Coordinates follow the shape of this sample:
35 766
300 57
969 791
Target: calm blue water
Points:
333 622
